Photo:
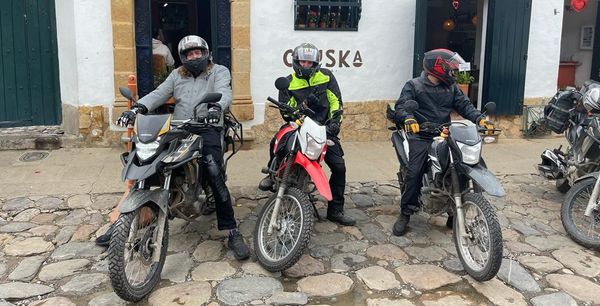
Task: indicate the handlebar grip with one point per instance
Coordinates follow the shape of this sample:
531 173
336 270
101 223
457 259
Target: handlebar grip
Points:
273 100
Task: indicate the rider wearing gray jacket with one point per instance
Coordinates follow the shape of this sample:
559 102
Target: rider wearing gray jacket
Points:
188 85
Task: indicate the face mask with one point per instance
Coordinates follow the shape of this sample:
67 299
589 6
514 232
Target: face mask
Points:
196 66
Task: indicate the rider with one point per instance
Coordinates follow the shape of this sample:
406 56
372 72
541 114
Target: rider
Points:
316 88
437 95
188 84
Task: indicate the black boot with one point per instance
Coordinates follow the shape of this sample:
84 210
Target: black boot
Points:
337 216
104 239
237 245
401 225
266 184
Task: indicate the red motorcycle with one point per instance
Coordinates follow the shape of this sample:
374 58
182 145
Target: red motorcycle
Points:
285 222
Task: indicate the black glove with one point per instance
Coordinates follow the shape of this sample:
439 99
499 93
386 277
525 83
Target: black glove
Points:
333 128
214 114
128 117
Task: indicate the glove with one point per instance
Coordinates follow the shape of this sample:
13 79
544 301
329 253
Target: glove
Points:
483 123
411 125
333 128
128 117
214 114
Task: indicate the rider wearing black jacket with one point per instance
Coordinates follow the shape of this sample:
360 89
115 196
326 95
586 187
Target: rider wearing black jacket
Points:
437 95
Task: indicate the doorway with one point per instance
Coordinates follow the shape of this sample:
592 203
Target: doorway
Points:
171 20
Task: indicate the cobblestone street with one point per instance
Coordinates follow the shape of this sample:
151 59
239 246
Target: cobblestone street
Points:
47 254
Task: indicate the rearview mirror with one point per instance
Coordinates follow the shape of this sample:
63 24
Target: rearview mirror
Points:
125 92
411 106
282 83
490 108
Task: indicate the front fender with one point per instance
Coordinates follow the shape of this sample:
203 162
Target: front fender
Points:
593 175
131 171
316 174
139 197
486 179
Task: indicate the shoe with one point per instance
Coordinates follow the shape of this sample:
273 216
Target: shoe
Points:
401 225
339 218
104 239
237 245
450 222
266 184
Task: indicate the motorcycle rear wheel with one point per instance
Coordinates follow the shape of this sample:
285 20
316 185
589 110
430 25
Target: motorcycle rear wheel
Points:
481 252
295 225
583 230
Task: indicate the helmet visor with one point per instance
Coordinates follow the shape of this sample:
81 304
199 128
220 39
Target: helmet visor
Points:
308 54
455 61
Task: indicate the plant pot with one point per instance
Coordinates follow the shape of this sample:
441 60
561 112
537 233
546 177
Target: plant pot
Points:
464 88
312 24
323 25
301 25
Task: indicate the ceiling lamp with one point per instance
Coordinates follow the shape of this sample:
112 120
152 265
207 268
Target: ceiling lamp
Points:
448 25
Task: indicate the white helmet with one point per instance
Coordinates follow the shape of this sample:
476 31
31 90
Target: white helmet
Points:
591 99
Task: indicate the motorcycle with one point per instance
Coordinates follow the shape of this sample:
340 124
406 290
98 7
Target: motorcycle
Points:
285 222
454 182
565 114
165 164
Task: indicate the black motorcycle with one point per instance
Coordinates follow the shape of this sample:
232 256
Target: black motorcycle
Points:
165 165
454 183
566 114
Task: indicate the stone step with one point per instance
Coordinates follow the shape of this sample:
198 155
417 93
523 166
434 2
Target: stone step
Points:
36 138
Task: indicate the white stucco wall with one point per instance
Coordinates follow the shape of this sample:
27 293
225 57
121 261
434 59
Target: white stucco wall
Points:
571 35
544 48
85 47
385 39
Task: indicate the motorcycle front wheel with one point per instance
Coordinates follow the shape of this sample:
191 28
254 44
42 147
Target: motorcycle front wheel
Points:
583 230
481 251
132 272
283 247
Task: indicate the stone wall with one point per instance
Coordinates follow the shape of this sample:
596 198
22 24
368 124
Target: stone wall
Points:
363 121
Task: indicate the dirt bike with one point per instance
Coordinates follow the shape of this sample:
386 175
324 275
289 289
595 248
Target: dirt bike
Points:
453 183
285 222
165 165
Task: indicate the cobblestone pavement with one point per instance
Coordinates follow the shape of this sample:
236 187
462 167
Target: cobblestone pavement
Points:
47 253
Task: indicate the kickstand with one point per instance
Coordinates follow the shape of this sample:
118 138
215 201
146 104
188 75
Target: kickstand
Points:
313 200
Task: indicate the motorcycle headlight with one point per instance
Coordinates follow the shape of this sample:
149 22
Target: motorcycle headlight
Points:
313 148
146 150
470 154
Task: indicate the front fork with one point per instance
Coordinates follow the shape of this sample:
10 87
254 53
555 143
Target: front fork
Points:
162 220
593 201
457 195
281 191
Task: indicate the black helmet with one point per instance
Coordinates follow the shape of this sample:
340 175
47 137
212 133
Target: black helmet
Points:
441 63
306 52
193 42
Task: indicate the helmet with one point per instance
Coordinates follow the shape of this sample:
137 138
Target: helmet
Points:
441 64
193 42
591 99
306 52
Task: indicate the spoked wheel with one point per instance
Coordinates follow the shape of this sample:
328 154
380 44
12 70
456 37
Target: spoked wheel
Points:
481 251
284 246
132 272
583 230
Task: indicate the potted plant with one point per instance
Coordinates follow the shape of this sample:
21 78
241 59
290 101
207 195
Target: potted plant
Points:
324 20
312 19
463 79
333 20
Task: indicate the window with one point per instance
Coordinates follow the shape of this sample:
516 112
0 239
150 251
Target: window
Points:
328 15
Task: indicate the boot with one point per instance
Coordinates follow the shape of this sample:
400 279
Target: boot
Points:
266 184
104 239
401 225
337 216
237 245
